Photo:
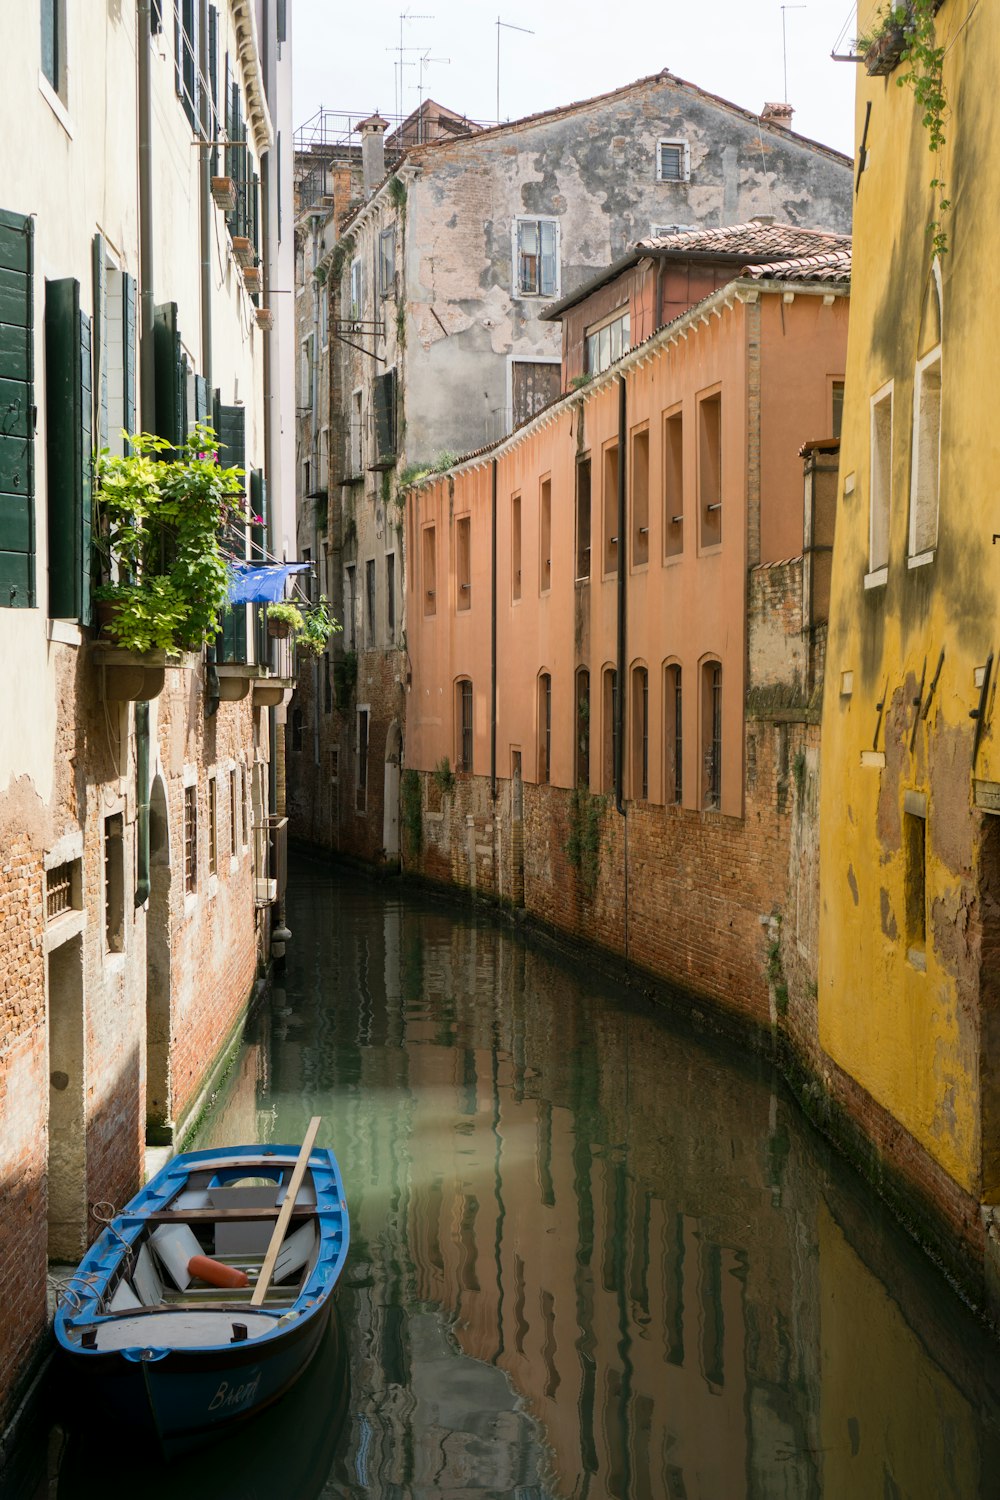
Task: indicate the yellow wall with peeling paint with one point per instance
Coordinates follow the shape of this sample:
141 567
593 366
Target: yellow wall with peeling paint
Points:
901 1017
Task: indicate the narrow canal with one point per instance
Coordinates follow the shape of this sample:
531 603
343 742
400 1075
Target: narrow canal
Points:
593 1255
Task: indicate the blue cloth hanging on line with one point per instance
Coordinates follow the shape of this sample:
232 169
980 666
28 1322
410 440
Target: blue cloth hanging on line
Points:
262 583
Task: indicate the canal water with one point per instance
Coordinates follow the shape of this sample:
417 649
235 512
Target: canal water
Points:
593 1254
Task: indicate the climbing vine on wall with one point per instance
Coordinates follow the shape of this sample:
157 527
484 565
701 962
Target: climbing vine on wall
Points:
412 813
925 76
583 846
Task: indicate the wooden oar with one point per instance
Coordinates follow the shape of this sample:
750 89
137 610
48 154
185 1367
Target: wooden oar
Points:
298 1172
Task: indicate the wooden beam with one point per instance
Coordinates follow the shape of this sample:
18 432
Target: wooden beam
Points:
298 1172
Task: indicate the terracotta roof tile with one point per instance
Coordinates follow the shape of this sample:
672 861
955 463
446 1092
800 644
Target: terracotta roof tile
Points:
834 266
756 240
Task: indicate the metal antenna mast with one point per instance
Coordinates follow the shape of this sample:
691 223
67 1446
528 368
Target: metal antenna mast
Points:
425 62
506 26
404 17
784 45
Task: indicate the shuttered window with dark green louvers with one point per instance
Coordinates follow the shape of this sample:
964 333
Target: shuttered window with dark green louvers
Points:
128 353
17 413
171 413
69 450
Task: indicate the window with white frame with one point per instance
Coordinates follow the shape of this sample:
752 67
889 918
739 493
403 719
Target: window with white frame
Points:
926 474
357 434
536 257
673 161
356 290
53 40
607 341
387 262
880 484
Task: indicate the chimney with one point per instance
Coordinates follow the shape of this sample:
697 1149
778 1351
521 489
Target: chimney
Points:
778 114
372 151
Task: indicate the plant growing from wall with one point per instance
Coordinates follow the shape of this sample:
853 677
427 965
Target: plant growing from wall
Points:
775 969
397 192
579 381
158 524
444 776
583 846
318 625
925 76
340 254
412 812
401 326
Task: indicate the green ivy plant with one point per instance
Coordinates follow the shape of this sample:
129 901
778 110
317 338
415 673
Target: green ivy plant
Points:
158 527
318 625
925 76
444 776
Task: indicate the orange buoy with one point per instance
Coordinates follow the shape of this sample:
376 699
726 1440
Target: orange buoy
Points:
215 1273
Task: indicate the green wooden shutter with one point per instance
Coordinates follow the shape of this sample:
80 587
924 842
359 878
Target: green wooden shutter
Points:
231 432
171 418
17 413
200 398
258 507
69 450
128 354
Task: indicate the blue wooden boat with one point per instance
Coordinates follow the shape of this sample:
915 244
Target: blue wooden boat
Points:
181 1359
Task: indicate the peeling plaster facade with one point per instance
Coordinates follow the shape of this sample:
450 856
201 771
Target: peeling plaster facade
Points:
910 832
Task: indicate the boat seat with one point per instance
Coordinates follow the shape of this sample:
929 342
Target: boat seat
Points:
174 1245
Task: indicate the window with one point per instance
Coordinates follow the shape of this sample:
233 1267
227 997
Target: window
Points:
213 826
233 815
361 793
390 595
357 291
186 75
673 485
582 743
583 519
370 602
463 563
610 502
115 350
640 734
837 404
673 736
246 807
430 570
387 262
536 256
356 435
673 161
880 502
640 499
54 45
17 470
190 838
463 755
63 889
515 547
925 480
533 384
114 883
605 342
712 734
544 727
351 598
384 391
710 469
915 850
609 708
545 537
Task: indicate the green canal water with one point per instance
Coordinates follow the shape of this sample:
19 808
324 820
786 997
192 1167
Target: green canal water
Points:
593 1254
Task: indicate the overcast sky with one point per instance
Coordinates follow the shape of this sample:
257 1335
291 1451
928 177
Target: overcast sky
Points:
345 56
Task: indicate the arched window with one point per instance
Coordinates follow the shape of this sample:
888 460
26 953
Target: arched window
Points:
673 734
640 734
544 727
463 724
609 726
711 734
581 769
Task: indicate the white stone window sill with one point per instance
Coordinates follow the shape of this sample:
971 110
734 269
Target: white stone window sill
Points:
63 632
62 928
920 559
877 579
54 102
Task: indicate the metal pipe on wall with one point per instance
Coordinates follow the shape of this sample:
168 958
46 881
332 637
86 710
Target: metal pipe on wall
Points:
493 629
622 569
147 308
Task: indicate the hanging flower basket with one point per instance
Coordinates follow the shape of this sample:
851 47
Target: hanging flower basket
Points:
884 51
279 629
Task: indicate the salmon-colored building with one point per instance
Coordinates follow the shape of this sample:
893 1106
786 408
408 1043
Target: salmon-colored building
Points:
594 604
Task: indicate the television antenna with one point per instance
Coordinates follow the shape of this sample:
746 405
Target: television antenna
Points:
784 45
506 26
406 17
425 61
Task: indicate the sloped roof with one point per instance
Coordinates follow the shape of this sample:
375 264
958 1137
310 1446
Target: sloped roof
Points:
756 240
782 132
834 266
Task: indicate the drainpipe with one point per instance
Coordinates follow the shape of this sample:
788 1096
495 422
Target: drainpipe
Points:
142 801
147 310
205 227
493 629
622 566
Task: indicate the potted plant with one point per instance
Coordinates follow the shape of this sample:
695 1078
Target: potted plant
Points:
283 618
883 43
160 513
318 625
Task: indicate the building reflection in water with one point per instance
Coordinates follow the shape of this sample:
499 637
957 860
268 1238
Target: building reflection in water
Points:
593 1256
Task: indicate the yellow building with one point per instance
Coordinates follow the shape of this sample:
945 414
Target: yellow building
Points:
909 977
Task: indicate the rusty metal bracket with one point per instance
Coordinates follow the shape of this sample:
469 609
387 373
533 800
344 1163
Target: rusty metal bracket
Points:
931 690
880 707
918 700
